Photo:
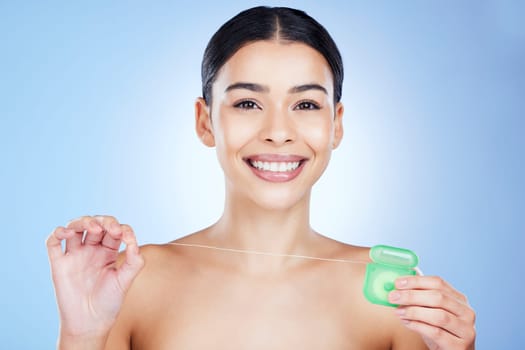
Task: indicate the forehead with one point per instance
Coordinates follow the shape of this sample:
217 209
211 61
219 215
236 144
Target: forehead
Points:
275 64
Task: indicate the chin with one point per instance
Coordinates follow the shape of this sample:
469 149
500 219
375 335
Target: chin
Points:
279 200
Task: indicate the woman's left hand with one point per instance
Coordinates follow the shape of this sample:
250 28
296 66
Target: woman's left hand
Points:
433 308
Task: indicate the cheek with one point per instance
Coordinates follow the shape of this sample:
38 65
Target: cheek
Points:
233 133
319 135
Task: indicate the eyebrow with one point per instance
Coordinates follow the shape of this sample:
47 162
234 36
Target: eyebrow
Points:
248 86
262 88
306 87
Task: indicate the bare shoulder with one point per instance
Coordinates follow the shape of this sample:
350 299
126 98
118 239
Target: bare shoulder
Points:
372 321
340 250
164 271
184 284
165 266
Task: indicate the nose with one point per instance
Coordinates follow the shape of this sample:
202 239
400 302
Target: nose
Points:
278 129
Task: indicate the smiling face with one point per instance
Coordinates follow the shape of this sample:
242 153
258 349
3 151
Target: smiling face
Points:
273 121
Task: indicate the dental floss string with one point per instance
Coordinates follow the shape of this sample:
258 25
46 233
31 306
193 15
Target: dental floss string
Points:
255 252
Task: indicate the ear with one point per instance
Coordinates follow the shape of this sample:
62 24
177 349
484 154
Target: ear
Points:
338 125
203 125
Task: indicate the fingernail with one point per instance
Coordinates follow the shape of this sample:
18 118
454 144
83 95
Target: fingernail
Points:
93 225
400 312
394 296
126 237
401 282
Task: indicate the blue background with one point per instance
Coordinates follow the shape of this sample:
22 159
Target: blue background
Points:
96 105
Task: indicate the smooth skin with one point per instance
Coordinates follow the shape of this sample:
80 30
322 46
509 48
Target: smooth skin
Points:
88 285
271 98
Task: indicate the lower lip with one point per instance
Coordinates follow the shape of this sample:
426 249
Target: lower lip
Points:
276 176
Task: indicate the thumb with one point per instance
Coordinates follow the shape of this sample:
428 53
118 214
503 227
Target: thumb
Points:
133 262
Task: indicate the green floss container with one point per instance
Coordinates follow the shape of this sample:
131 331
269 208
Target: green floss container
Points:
388 264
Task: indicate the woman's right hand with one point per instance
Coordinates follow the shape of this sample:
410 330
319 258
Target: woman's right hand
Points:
89 286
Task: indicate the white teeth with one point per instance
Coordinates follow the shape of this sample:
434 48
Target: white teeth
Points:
280 167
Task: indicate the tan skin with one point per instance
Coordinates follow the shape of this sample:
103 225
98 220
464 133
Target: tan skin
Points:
170 297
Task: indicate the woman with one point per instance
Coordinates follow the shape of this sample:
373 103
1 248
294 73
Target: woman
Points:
272 80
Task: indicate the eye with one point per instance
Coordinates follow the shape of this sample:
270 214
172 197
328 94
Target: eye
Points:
306 105
246 104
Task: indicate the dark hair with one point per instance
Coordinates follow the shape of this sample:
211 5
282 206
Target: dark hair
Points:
265 23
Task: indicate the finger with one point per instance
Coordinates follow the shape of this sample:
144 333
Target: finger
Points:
74 242
427 282
113 237
81 224
106 221
442 338
133 262
428 298
108 224
94 231
435 317
54 242
128 236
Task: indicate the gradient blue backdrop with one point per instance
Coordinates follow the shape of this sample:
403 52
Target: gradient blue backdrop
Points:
96 105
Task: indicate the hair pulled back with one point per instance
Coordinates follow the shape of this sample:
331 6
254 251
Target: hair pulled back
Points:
266 23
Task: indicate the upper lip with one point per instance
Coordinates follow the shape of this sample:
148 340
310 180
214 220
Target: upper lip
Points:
275 158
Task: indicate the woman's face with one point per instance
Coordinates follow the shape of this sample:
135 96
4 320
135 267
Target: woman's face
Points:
273 121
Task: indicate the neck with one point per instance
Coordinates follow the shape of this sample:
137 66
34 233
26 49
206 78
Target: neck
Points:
248 226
